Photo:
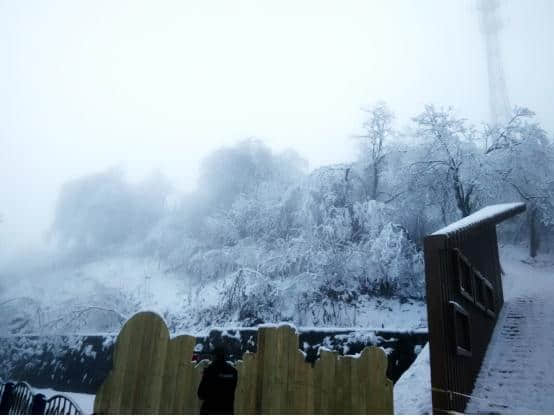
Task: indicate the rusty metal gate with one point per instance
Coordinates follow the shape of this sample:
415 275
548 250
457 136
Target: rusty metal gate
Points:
464 296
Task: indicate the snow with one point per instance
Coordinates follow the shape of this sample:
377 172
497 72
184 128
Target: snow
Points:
113 288
412 392
227 334
324 349
369 314
488 212
84 401
333 329
517 375
278 324
116 288
388 350
362 336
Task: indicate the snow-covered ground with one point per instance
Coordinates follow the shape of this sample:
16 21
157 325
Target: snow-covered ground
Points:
84 401
518 371
412 392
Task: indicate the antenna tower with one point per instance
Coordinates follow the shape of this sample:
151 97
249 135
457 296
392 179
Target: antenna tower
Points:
490 27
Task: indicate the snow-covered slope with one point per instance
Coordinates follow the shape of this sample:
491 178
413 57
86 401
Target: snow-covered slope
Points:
98 297
412 392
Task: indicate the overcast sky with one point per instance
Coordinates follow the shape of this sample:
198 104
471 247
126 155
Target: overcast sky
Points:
85 85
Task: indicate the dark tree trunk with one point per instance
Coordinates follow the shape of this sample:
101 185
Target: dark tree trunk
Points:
462 200
375 181
534 241
462 203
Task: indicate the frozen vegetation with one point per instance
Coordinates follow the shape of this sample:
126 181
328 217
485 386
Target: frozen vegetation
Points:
262 239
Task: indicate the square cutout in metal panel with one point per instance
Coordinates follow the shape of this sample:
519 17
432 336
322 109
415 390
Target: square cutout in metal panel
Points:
462 330
480 294
490 302
465 276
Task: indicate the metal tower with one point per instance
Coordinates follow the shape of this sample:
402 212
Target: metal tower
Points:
498 94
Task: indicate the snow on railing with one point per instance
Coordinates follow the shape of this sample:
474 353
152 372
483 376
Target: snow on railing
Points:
489 214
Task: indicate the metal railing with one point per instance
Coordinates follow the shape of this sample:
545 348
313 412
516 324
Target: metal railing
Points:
22 399
19 398
61 405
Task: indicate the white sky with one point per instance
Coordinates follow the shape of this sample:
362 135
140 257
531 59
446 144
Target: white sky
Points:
85 85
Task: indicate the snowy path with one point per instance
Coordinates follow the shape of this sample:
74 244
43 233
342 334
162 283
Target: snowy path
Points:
518 372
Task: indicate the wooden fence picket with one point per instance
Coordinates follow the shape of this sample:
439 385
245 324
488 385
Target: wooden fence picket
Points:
154 374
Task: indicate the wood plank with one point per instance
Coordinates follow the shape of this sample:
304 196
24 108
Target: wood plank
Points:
308 370
293 399
357 402
113 395
325 373
168 395
245 396
362 376
143 391
317 386
177 392
304 384
124 387
278 363
260 377
377 401
152 374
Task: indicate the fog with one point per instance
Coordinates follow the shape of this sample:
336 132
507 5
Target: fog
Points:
148 86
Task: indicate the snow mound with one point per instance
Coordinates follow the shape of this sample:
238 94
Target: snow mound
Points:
412 392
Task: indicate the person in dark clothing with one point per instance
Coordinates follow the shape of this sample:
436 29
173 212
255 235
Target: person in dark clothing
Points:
217 388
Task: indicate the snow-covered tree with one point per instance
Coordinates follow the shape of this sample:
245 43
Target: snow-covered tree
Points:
448 163
521 157
98 212
374 146
241 169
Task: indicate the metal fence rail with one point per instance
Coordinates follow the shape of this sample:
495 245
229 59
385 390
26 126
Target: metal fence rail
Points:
61 405
19 398
464 296
22 399
2 387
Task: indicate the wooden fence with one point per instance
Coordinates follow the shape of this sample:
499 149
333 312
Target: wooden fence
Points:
153 374
464 297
